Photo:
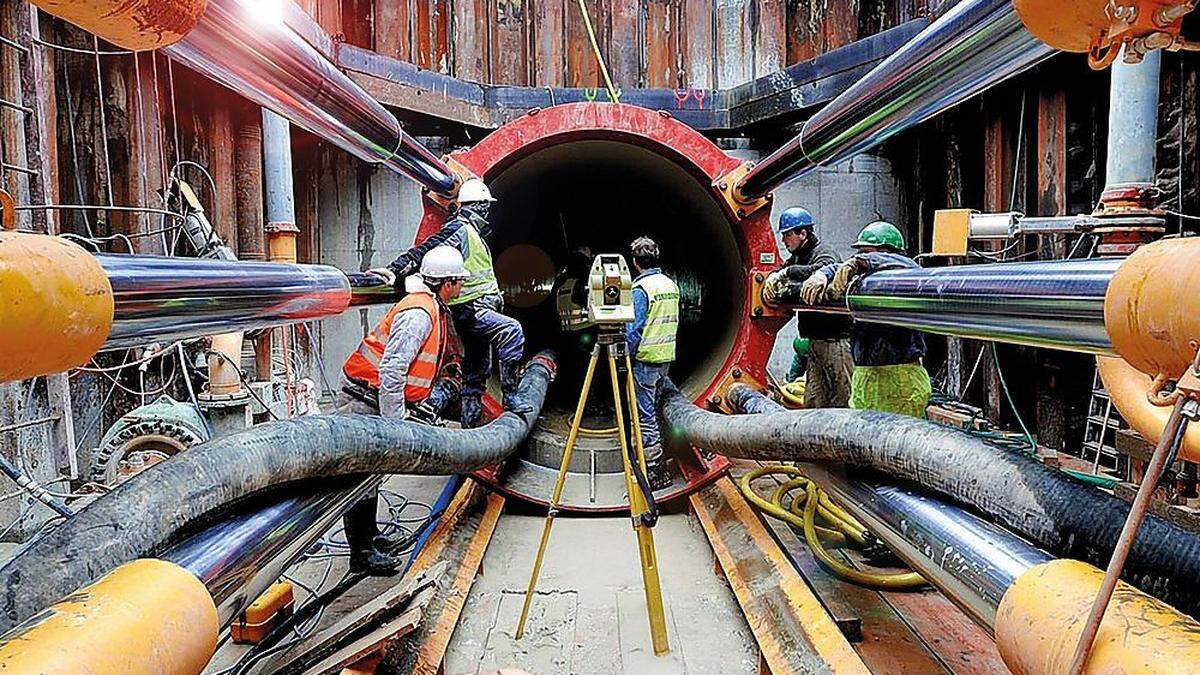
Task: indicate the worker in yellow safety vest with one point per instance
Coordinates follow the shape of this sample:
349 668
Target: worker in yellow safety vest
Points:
651 340
396 365
477 312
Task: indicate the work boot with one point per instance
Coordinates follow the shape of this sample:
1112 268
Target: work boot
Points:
510 379
394 542
373 563
657 472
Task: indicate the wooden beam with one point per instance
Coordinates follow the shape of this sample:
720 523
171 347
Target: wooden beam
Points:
1052 151
624 44
393 24
734 43
662 32
470 44
510 62
699 55
794 633
463 536
582 69
221 166
770 37
248 181
549 36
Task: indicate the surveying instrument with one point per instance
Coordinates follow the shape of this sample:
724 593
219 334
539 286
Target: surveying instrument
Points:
610 307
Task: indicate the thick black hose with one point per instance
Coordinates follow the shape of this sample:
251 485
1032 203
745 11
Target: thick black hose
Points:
136 519
1057 512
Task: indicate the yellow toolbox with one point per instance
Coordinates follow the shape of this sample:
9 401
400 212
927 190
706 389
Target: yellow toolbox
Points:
264 614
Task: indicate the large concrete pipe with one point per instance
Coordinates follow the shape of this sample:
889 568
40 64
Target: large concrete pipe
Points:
600 175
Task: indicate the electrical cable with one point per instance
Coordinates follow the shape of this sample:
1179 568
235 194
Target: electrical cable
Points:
841 528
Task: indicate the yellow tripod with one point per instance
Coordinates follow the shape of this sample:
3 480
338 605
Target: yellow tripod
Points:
613 344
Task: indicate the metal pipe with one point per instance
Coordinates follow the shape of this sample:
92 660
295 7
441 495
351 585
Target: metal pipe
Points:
972 561
239 557
1038 304
1133 121
277 169
246 46
974 46
160 298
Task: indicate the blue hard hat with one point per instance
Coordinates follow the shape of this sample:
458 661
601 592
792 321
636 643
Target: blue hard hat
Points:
794 219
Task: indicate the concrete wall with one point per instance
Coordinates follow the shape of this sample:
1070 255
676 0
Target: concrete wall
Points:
842 198
367 217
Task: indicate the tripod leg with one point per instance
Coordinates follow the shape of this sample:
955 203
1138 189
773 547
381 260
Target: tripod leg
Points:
572 437
631 393
645 535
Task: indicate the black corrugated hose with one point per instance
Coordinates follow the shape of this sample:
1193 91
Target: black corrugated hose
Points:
136 519
1057 512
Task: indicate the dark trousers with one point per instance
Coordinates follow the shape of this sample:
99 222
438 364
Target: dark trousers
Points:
482 329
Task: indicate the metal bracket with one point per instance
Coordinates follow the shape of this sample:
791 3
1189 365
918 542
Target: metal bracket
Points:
720 398
739 204
462 172
758 308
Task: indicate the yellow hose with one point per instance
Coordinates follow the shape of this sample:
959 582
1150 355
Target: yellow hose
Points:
793 393
841 528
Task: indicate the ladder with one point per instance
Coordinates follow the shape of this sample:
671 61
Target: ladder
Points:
1100 432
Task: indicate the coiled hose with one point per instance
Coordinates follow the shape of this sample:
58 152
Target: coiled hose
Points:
1054 511
140 516
843 528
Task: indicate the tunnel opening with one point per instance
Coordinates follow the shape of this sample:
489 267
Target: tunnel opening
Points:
600 195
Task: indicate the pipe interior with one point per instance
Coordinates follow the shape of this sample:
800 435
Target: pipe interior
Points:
602 194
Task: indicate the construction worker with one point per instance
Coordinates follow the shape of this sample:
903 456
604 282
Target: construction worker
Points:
477 311
395 367
651 341
888 375
827 373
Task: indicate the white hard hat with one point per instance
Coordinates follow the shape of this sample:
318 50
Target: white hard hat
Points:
443 262
474 190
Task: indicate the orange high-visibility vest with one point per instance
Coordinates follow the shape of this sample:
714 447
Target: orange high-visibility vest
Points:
363 364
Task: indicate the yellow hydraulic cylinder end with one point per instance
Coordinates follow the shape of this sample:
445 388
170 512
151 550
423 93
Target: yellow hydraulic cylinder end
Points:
56 305
132 24
1127 387
1149 309
1041 617
147 616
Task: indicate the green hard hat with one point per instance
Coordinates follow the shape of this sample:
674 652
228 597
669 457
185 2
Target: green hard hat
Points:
802 345
881 233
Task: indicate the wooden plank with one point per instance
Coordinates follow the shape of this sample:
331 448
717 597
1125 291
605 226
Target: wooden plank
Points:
770 37
146 172
803 42
828 588
510 63
582 69
470 46
393 34
699 55
734 43
38 94
221 166
624 45
462 535
662 36
794 633
840 24
248 181
441 35
329 16
422 29
1052 151
358 19
367 647
330 640
549 37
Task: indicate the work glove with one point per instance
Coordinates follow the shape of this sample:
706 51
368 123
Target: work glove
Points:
404 266
812 292
774 287
844 275
388 276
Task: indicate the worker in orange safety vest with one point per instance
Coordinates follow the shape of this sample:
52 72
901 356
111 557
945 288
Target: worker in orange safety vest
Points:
397 366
